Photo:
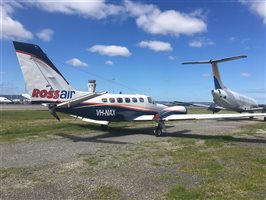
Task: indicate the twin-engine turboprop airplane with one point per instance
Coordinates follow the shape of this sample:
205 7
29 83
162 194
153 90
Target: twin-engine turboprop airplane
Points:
47 85
223 97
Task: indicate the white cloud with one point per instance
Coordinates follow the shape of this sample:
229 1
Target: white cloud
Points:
206 75
244 74
257 7
201 42
171 57
170 22
156 45
88 9
12 29
148 16
138 9
109 62
111 50
76 62
45 34
232 39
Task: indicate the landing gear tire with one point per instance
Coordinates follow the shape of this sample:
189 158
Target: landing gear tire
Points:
158 132
104 127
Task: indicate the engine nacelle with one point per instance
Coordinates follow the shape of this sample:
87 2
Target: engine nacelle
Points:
173 110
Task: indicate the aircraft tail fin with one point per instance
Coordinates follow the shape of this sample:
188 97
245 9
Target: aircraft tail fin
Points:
218 84
43 80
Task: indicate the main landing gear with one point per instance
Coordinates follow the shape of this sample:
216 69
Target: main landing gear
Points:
160 129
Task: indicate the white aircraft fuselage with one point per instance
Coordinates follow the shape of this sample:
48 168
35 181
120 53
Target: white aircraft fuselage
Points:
231 100
122 107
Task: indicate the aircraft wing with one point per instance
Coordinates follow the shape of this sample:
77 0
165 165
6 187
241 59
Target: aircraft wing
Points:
76 101
211 116
210 106
256 109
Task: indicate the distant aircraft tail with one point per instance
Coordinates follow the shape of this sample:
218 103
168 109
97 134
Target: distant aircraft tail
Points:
43 80
218 84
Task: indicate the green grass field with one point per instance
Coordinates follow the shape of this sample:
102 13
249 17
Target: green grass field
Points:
32 124
36 124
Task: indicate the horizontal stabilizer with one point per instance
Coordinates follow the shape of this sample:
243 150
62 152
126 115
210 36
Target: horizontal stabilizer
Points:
76 101
215 60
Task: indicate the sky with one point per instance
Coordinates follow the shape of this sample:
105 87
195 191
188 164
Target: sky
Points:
136 47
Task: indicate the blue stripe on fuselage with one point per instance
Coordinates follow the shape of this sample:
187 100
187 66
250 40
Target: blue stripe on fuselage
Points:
106 112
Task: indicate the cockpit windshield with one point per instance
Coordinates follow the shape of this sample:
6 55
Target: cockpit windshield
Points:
150 100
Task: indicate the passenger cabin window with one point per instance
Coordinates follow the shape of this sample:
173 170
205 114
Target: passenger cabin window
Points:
119 100
127 100
135 100
112 100
104 100
141 100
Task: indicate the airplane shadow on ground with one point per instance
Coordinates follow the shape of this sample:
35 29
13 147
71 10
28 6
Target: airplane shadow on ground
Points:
117 132
114 132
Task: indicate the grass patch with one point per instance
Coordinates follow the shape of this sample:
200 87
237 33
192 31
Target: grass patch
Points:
107 192
5 173
180 192
223 171
16 125
254 129
93 161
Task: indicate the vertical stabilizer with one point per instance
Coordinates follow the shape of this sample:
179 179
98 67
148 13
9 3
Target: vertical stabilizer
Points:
218 84
43 80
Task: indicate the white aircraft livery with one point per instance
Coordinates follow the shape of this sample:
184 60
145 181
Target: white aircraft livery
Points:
223 97
46 84
5 100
